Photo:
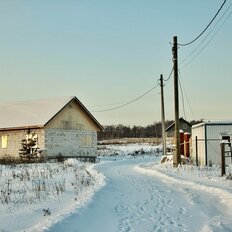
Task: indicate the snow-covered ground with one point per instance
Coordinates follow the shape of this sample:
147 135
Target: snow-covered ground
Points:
137 194
35 196
129 150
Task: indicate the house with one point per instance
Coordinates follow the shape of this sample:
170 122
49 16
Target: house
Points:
184 126
61 126
206 140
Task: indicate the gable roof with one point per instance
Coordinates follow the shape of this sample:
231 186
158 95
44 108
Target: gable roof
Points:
173 124
35 113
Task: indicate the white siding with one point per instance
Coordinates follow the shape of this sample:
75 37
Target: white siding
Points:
198 131
209 137
214 138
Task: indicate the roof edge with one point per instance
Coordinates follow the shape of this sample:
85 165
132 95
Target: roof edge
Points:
212 123
181 118
83 107
22 128
91 116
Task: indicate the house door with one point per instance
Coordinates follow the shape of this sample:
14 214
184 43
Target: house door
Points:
228 151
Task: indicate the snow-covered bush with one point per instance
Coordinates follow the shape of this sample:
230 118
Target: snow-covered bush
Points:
32 183
131 150
188 169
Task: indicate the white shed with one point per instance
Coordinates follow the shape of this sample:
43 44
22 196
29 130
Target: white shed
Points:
206 140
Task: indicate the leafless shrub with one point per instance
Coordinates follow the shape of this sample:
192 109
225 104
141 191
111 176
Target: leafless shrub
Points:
33 183
47 212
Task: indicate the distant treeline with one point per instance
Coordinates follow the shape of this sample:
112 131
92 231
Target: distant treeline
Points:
122 131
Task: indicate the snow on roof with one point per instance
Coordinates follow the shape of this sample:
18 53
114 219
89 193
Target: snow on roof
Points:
212 122
30 113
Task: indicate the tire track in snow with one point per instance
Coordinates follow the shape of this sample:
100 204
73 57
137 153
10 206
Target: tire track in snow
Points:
141 212
199 196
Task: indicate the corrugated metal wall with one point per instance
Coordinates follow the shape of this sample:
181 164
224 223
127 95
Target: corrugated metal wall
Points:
214 138
198 131
209 137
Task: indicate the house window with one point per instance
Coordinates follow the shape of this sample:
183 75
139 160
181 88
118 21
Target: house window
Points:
66 125
86 140
4 141
185 126
80 126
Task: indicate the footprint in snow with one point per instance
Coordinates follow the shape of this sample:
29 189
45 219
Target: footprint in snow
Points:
182 210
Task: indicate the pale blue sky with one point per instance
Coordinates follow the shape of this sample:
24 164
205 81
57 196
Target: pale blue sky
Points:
112 51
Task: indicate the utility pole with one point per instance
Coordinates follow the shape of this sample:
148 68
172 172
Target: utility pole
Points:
176 155
163 116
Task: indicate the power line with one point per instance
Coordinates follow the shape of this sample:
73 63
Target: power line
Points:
185 44
182 96
192 53
122 102
125 104
169 75
152 95
110 104
203 48
187 98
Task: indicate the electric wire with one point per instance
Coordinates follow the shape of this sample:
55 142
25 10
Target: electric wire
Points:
110 104
152 95
122 102
203 48
193 115
206 36
127 103
195 50
182 96
186 44
169 75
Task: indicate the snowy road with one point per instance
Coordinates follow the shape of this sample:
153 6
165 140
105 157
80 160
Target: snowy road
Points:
135 201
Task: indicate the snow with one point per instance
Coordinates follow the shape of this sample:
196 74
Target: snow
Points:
213 122
31 113
138 193
126 150
35 196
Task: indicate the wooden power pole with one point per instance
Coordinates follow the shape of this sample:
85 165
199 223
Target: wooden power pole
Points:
163 116
176 155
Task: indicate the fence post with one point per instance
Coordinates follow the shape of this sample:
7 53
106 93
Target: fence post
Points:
223 168
196 152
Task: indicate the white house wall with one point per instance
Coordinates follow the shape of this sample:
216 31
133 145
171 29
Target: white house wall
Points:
14 140
70 142
71 133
